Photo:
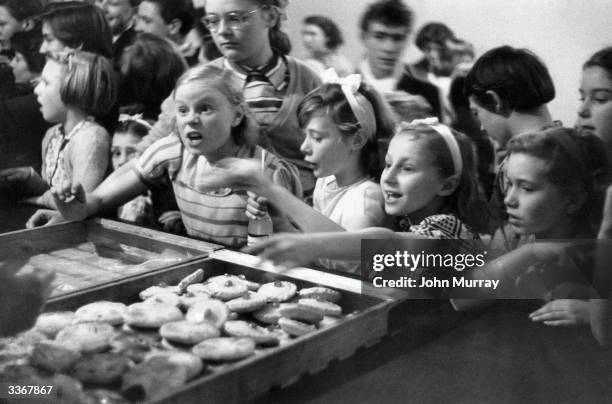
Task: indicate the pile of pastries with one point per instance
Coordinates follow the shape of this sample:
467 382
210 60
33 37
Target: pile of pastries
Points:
175 333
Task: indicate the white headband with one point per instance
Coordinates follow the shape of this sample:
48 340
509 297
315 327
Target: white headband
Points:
447 135
136 118
361 107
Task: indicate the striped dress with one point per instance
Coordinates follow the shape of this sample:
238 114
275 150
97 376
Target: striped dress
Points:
217 216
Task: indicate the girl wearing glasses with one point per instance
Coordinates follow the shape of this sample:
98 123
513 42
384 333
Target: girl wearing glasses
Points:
247 32
213 122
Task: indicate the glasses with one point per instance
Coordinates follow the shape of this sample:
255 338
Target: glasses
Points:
235 20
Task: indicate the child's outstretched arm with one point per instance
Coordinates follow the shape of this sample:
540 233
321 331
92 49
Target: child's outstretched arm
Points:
74 204
292 250
506 269
246 174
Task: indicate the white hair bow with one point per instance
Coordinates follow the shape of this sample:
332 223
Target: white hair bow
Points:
361 107
446 134
136 118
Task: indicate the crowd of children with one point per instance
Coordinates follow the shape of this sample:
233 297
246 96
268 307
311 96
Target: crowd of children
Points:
207 137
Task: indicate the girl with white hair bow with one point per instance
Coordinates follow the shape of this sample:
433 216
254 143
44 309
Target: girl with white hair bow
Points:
344 122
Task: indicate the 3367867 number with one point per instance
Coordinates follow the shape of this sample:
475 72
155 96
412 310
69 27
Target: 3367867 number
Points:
8 390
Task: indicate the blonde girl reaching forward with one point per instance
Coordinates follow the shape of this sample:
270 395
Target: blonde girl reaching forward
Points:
213 123
345 122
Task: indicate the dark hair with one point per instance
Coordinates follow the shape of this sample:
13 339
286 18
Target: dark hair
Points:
89 83
329 28
602 58
27 43
278 39
388 12
576 163
330 100
436 32
23 9
80 26
133 127
466 123
467 201
227 83
181 10
150 68
518 77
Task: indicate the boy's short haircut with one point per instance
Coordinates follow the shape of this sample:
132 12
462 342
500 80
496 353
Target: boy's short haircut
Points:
176 9
518 77
89 83
388 12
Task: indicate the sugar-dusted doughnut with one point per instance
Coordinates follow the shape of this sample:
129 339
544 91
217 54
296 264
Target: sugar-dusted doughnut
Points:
211 311
299 312
295 328
52 356
188 333
240 328
278 290
86 337
148 315
102 311
188 299
167 298
248 302
224 348
327 307
269 314
133 345
51 323
321 292
161 288
226 287
102 368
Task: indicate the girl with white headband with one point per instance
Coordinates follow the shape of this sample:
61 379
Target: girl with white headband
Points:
428 184
344 121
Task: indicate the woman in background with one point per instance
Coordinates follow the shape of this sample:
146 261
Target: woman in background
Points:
322 38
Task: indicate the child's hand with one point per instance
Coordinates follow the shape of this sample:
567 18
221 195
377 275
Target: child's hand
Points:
70 200
257 206
234 173
171 222
286 249
44 217
563 312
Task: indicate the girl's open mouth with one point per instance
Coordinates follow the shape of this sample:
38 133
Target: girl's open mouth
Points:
392 196
194 138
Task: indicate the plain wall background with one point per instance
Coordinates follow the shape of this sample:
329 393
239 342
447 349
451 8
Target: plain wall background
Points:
564 33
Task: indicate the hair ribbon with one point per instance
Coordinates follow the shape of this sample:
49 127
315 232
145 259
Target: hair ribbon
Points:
361 107
135 118
448 137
